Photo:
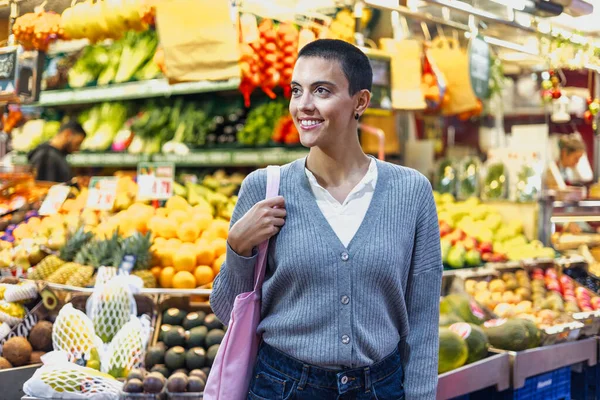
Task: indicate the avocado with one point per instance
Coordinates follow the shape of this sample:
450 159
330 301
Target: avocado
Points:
195 358
199 373
161 369
175 358
197 337
154 355
193 320
211 354
214 337
136 374
510 334
154 382
164 328
173 316
175 337
212 322
133 386
177 383
195 384
181 371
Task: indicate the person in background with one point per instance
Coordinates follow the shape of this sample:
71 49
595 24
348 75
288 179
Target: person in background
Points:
49 159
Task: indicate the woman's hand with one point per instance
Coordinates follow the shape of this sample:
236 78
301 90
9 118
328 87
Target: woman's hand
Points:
260 223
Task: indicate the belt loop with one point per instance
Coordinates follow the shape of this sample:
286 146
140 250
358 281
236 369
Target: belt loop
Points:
367 380
304 378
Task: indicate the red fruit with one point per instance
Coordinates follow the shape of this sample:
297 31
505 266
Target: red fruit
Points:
596 303
445 228
556 94
485 247
470 243
589 101
588 117
486 257
537 271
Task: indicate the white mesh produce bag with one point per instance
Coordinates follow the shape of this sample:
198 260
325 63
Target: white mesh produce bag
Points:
4 330
73 332
104 275
111 305
21 292
127 349
11 313
60 379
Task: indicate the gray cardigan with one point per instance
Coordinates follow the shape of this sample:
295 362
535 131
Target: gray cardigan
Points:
333 306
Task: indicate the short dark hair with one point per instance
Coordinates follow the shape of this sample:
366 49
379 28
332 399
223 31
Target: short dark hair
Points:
74 127
354 62
571 143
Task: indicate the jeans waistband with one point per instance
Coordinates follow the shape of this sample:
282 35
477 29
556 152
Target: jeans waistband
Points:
343 380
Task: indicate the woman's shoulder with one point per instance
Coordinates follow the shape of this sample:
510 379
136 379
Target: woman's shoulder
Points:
404 177
257 179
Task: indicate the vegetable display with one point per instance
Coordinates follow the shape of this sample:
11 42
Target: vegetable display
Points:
446 177
495 182
261 122
469 178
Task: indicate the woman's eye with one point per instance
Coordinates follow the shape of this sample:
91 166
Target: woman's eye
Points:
322 90
295 91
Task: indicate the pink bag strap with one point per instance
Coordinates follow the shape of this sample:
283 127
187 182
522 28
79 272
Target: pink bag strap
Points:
273 178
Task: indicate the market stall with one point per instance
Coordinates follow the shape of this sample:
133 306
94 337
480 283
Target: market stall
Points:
115 267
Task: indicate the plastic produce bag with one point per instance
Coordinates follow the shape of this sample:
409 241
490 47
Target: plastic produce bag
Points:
11 313
111 306
104 275
495 184
73 332
60 379
446 176
21 292
468 180
127 349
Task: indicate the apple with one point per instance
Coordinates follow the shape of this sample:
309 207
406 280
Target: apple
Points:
486 257
470 243
596 303
538 271
485 247
445 228
551 272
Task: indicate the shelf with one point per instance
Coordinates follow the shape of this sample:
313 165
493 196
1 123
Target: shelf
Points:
206 158
131 91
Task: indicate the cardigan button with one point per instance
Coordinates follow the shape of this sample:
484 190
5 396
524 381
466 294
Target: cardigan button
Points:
345 256
345 339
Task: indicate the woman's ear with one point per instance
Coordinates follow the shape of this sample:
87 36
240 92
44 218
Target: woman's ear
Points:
362 101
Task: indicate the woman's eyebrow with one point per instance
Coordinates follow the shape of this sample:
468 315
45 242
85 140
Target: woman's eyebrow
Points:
317 83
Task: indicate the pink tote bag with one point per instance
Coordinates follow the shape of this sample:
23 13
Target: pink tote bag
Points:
232 369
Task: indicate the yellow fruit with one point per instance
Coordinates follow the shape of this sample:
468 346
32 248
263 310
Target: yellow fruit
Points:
203 208
188 231
166 277
156 272
177 203
203 274
174 243
166 228
209 235
166 257
179 217
205 254
220 227
162 212
219 245
184 259
184 280
216 266
203 221
160 241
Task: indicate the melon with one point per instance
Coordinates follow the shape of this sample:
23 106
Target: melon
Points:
453 351
477 341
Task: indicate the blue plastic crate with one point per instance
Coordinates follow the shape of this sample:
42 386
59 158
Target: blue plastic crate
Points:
585 385
554 385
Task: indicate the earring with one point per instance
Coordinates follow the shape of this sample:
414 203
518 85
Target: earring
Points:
356 116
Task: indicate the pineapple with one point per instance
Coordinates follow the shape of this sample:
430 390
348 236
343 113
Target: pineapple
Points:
74 244
45 268
98 253
81 277
137 245
147 277
62 274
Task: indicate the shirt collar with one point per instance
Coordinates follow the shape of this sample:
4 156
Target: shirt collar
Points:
368 180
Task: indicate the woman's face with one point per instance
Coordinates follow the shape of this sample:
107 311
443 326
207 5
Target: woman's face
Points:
570 160
321 106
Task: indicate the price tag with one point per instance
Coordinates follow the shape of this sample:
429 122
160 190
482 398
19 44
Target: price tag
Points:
54 199
155 180
102 193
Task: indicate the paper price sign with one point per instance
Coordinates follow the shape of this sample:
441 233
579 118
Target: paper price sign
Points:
54 199
155 181
102 193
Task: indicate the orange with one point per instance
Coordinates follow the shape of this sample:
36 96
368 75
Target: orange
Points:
156 272
184 280
220 246
184 259
216 266
179 217
209 235
205 254
173 243
188 231
203 274
166 277
203 221
165 228
177 203
34 222
166 256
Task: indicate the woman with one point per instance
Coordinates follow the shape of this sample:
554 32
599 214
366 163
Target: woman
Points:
350 301
572 148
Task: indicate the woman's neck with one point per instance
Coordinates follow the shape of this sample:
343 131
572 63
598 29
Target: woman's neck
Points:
333 166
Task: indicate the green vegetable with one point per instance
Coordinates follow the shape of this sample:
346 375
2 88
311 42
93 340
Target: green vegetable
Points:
148 71
138 48
469 179
102 123
261 122
527 186
495 182
88 67
109 73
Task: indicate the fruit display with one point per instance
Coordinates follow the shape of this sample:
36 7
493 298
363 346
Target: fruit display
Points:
472 233
541 297
33 133
261 122
107 19
187 341
37 30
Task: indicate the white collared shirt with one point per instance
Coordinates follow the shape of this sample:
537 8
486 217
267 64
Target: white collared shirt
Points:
346 218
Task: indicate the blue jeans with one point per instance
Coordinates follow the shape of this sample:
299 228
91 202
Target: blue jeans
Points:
278 376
